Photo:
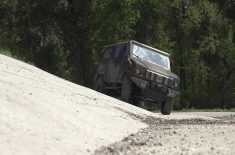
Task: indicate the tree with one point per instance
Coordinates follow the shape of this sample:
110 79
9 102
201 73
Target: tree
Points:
113 22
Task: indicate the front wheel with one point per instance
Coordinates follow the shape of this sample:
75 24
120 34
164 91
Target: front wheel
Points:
100 85
140 104
167 106
126 89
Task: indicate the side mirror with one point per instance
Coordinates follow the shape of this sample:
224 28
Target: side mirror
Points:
172 64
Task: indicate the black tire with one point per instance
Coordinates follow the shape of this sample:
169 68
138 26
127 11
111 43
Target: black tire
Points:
100 85
126 89
140 104
167 106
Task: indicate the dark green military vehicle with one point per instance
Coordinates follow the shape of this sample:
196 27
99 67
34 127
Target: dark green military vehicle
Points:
137 73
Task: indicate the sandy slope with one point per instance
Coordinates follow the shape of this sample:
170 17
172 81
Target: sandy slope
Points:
43 114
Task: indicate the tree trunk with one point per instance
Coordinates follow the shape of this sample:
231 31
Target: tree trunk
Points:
222 103
208 93
179 39
182 76
223 89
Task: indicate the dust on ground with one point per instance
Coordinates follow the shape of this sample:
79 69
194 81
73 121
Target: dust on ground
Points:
177 136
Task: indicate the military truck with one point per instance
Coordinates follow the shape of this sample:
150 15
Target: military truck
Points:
137 73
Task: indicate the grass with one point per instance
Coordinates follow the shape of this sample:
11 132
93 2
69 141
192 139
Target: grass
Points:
232 116
202 110
8 53
156 108
206 110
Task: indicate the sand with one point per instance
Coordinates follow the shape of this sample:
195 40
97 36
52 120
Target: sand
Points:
43 114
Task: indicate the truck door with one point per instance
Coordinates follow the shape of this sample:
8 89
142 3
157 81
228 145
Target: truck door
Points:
102 68
123 62
114 65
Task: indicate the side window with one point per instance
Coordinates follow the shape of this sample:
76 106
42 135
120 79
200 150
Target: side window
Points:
127 52
117 51
107 53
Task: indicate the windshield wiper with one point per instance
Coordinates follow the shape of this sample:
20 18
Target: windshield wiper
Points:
137 56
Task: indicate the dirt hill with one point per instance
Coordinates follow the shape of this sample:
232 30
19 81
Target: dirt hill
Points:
42 114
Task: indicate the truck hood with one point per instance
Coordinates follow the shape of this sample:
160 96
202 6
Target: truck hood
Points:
157 69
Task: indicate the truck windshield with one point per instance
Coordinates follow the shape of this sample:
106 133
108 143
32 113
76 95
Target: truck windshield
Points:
150 56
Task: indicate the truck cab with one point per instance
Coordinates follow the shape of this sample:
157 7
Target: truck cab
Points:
136 73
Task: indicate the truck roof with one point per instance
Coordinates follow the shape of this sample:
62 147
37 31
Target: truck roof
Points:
143 45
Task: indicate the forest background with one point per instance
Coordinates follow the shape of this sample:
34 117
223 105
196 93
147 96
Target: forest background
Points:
67 37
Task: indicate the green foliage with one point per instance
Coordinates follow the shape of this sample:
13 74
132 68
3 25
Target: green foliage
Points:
207 110
201 110
232 116
52 34
6 52
113 22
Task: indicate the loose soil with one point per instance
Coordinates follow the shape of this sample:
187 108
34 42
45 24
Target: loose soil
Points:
177 136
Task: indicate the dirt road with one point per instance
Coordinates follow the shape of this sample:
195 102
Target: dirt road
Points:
195 136
43 114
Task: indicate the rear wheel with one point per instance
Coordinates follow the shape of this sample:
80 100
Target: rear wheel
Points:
167 106
100 85
126 89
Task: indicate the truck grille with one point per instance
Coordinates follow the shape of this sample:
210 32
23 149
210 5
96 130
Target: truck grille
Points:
154 95
155 77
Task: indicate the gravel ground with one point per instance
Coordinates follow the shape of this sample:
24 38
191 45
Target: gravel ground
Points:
182 136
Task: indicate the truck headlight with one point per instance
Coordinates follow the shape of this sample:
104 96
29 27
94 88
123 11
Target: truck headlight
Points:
140 72
176 85
137 71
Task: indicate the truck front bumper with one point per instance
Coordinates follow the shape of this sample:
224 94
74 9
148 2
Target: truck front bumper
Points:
155 87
